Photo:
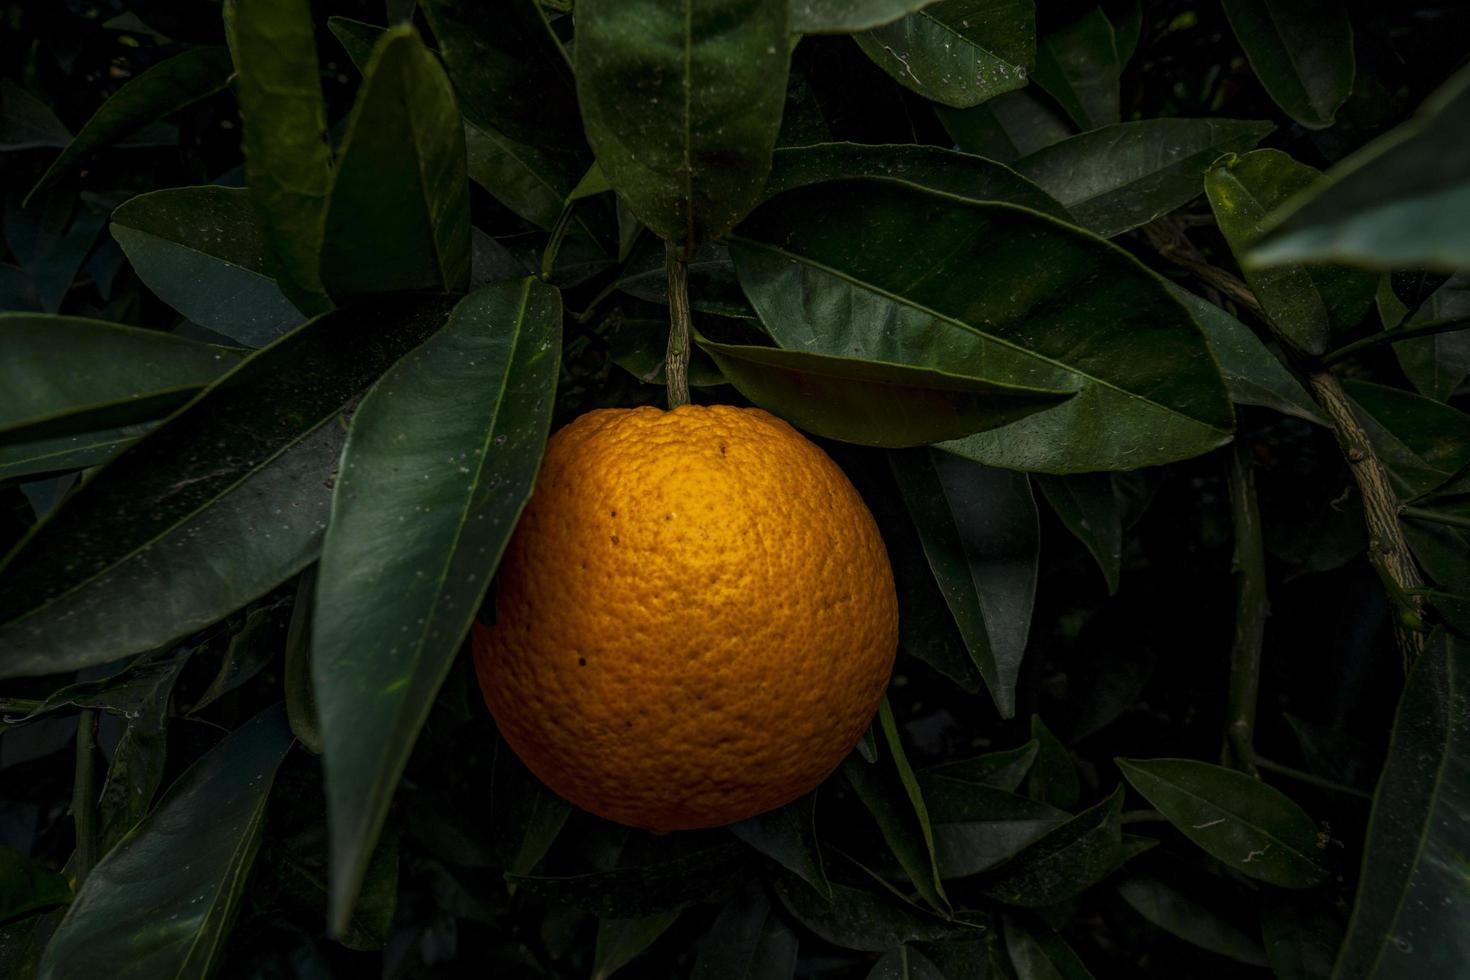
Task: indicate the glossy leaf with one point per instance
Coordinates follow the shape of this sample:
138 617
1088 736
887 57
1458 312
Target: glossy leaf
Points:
619 941
1438 364
880 270
682 104
203 251
1394 204
1008 127
904 963
1088 505
847 16
181 530
1421 442
1247 825
957 52
28 886
977 827
1412 894
1078 65
1301 50
1304 304
1002 770
1067 860
288 160
65 375
300 701
1053 776
747 941
859 918
1040 954
662 885
399 214
61 454
449 440
167 87
1119 177
870 402
979 529
143 912
788 835
713 287
260 641
1177 913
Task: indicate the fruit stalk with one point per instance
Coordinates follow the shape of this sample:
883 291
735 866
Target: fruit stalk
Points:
676 364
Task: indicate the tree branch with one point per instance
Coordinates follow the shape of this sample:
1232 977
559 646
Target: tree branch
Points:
1168 238
676 366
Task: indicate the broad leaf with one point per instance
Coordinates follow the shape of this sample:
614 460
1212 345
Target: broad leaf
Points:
1008 127
977 827
860 918
1118 177
259 642
60 454
1078 65
203 251
846 16
883 270
1072 857
682 104
1040 954
904 963
1053 776
1408 920
619 941
532 182
288 161
747 941
1247 825
788 835
1304 304
870 402
27 886
213 509
1087 503
648 888
1301 50
957 52
399 214
1177 913
1421 442
447 443
167 87
356 38
979 529
1002 770
1395 204
1436 365
146 913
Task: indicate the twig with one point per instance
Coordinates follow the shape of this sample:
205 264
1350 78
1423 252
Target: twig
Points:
1252 606
676 371
1436 516
1167 237
1311 780
1397 335
84 794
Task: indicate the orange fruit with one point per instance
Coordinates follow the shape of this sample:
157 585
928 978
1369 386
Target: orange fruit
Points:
695 618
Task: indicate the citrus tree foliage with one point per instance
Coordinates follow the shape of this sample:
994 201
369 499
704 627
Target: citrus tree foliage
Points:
1140 327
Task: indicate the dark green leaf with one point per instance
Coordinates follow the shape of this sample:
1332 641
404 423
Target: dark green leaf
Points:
449 440
1006 128
1436 365
977 827
682 104
1041 954
64 375
261 640
748 941
1078 65
1053 775
1304 304
957 52
145 912
713 287
399 214
1421 442
788 835
619 941
904 963
1302 934
356 38
531 182
27 886
1301 50
124 693
647 889
979 529
525 816
846 16
1088 505
1412 894
858 918
213 509
203 251
300 701
26 122
288 161
883 270
1001 770
167 87
1396 203
1241 821
59 454
1118 177
1067 860
1177 913
870 402
371 925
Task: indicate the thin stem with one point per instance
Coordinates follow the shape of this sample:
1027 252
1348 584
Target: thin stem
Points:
1252 606
553 244
1167 237
1309 779
24 706
84 794
1395 336
676 365
1436 516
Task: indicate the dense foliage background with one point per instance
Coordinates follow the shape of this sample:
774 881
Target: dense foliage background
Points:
238 736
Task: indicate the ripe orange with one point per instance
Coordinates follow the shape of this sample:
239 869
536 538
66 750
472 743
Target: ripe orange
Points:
696 617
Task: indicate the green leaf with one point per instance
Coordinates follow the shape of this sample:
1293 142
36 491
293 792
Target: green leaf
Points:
1001 770
904 963
1245 824
1302 52
27 886
748 941
1088 505
1395 204
1006 128
1078 65
532 182
979 529
619 941
661 885
371 925
1053 776
1304 304
35 458
682 104
261 640
1421 442
892 795
509 70
847 16
713 287
448 444
1252 373
1302 934
935 168
203 251
858 918
978 827
870 402
167 87
1041 954
218 506
884 270
788 836
1072 857
1177 913
1119 177
300 701
399 214
288 160
146 910
26 122
65 375
356 37
1412 894
1436 365
525 816
957 52
641 346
